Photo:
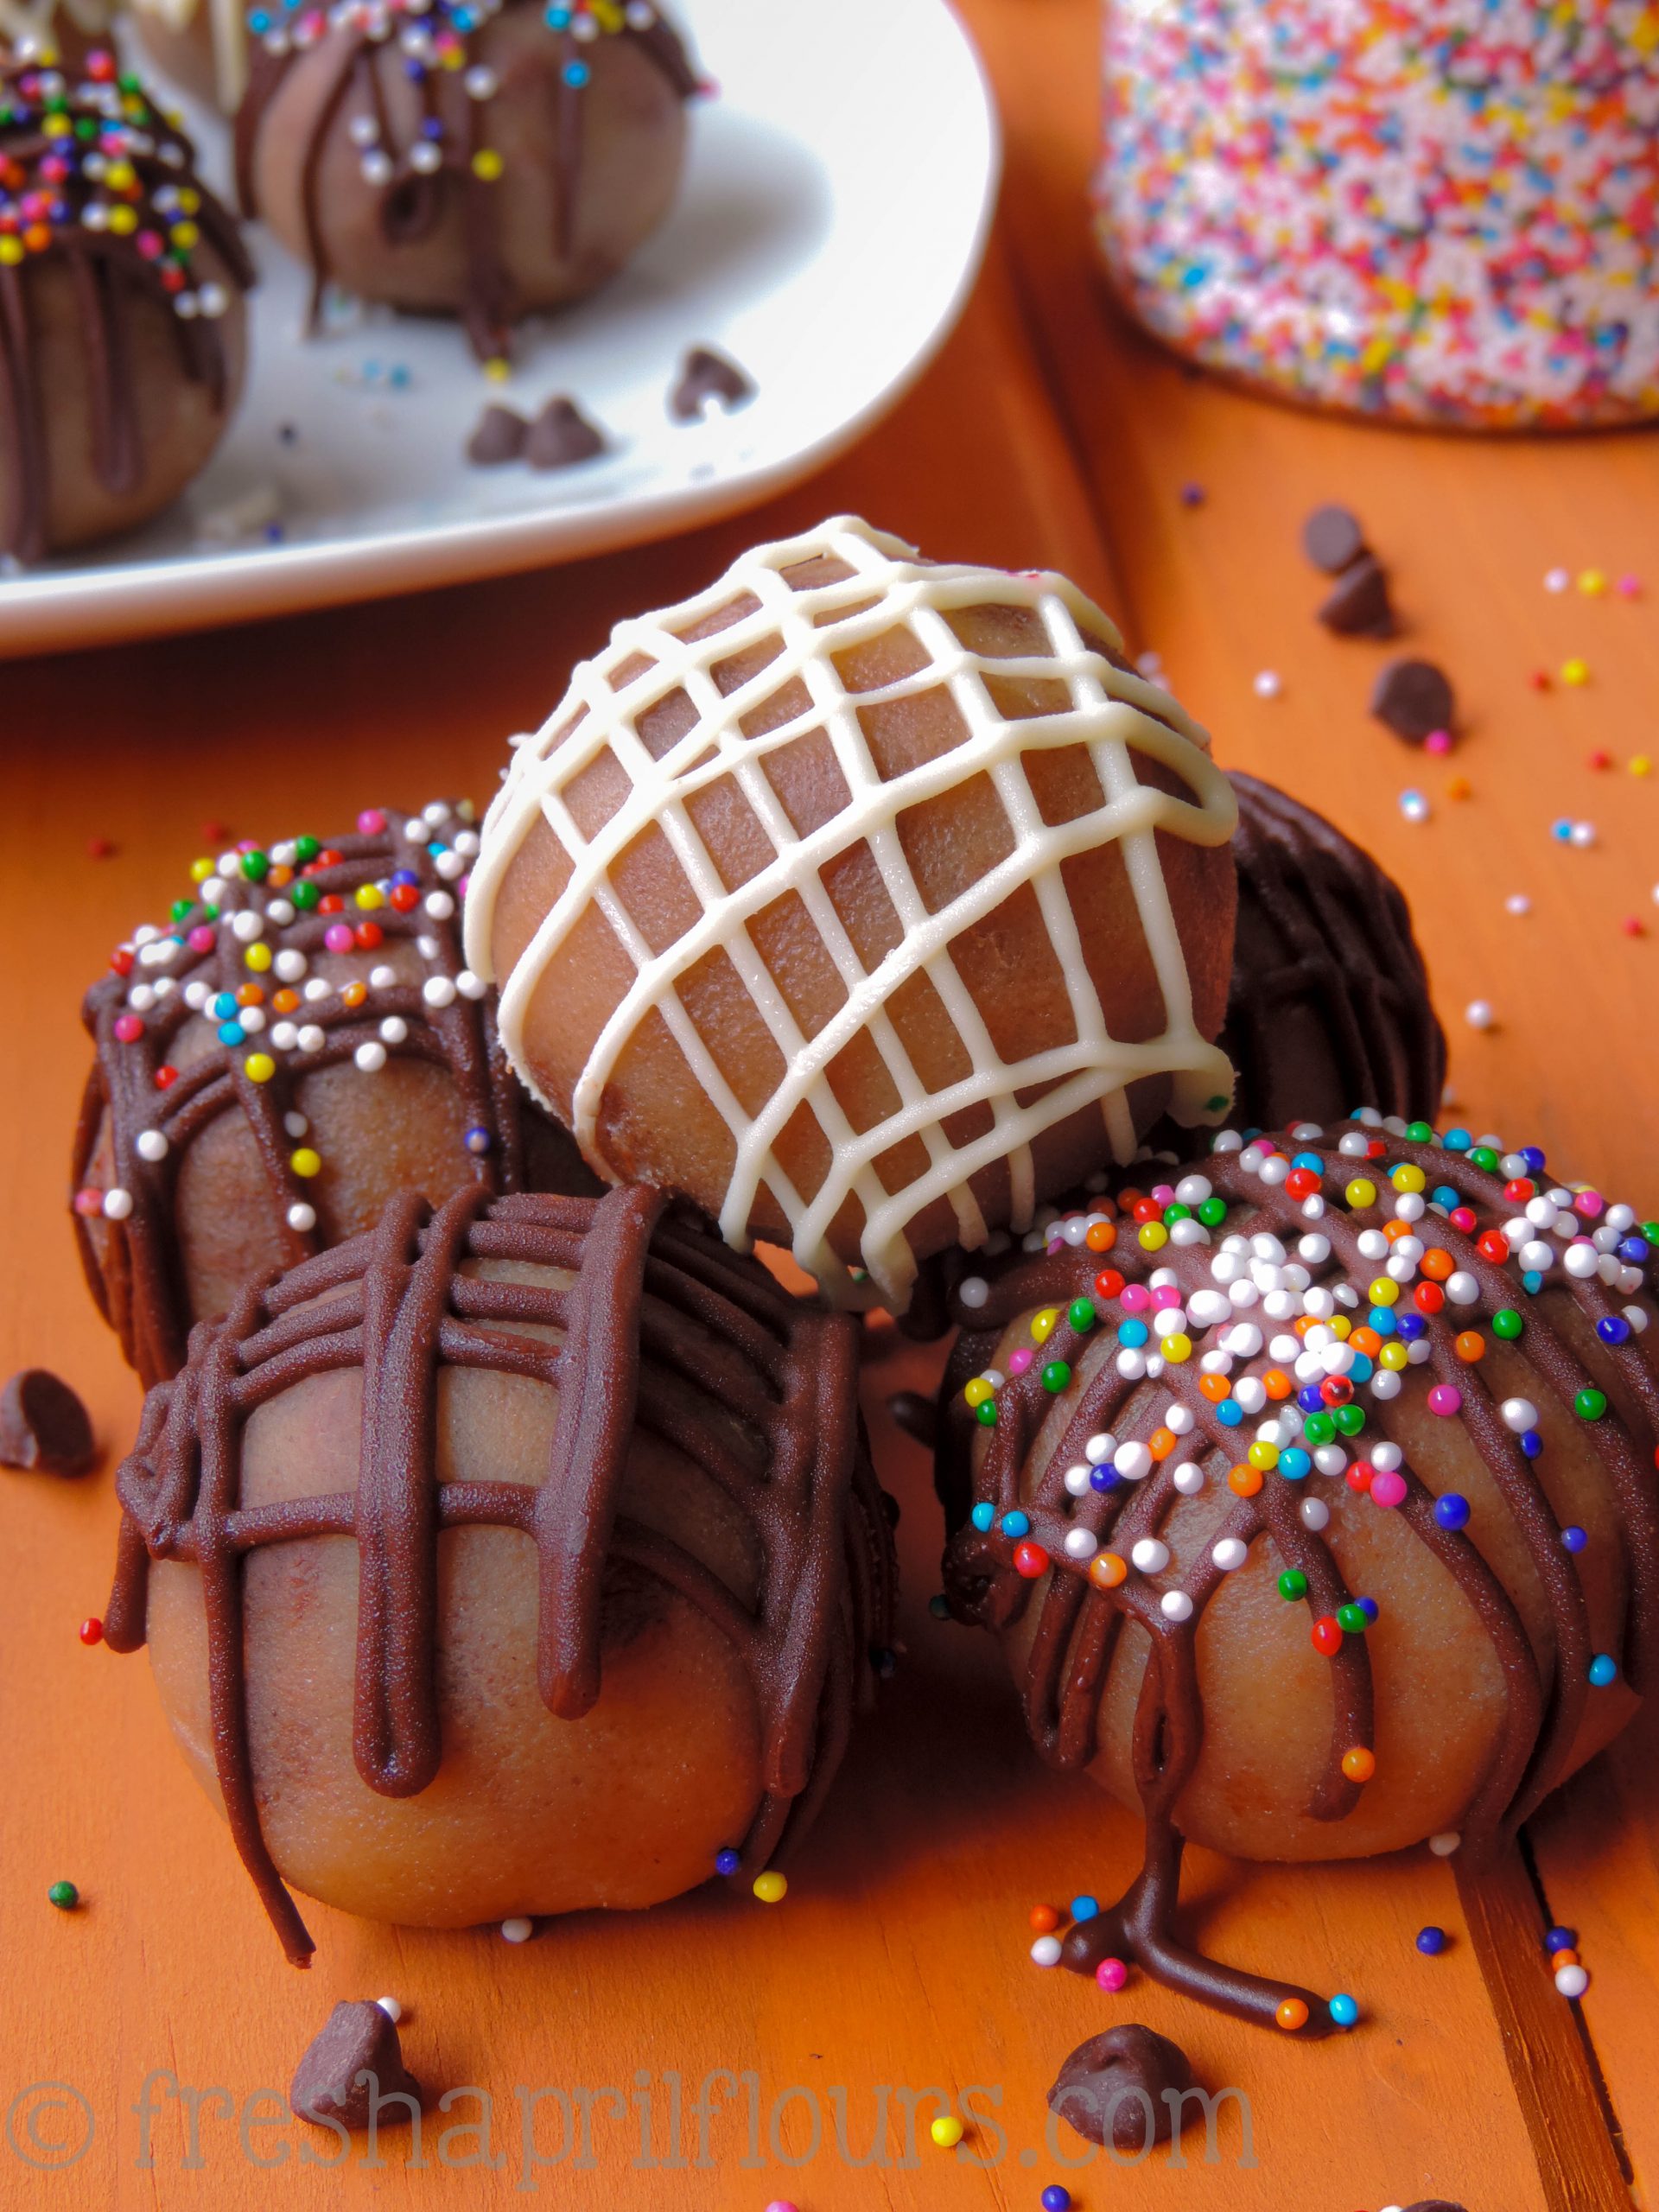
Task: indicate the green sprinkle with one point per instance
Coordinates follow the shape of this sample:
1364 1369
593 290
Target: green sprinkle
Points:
1351 1620
1292 1584
1484 1156
182 908
1319 1429
256 866
1081 1313
939 1607
1419 1132
64 1895
1056 1375
305 896
1215 1105
985 1413
1507 1323
1348 1419
1176 1211
1590 1405
1213 1212
305 849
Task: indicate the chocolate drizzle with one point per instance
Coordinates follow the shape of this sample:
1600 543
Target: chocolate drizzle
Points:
109 271
396 1303
413 200
1329 1006
133 1258
1079 1621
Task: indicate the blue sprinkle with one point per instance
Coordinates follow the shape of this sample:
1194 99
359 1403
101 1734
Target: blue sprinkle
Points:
224 1008
983 1517
1532 1444
1534 1158
1574 1539
1430 1942
1383 1321
1103 1478
232 1032
1532 1282
1362 1369
1369 1607
1613 1329
1229 1413
1016 1524
1457 1141
1294 1463
1309 1160
1602 1671
1446 1197
1309 1400
1411 1326
575 74
1132 1333
1633 1250
1344 2011
1452 1511
727 1861
478 1140
1084 1908
1561 1939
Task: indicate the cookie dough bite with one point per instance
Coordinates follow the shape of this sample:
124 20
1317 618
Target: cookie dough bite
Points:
124 332
517 1558
1312 1497
488 162
868 900
1329 1007
299 1042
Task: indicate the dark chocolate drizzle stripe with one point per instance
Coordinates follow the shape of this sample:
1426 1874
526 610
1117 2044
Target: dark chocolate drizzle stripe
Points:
1341 930
139 1284
1078 1628
394 1304
107 271
411 199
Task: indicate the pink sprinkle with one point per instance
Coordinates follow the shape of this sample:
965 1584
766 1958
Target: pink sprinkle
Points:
1629 587
371 821
1445 1398
201 938
1135 1298
338 937
1589 1204
1112 1973
1164 1194
1388 1488
129 1027
1438 741
1020 1360
89 1201
1166 1295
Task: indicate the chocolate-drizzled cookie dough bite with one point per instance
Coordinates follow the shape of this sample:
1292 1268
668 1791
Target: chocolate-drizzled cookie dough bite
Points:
558 1569
866 899
486 161
122 331
1329 1007
1312 1495
301 1040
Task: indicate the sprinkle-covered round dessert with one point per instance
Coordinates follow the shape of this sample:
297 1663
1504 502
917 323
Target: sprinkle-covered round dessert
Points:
517 1558
1442 210
300 1040
488 159
866 899
121 323
1312 1493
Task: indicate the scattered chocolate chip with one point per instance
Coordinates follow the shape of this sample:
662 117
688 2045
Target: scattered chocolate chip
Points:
1413 699
1112 2082
917 1415
1331 538
706 376
561 435
499 436
43 1426
1359 605
358 2040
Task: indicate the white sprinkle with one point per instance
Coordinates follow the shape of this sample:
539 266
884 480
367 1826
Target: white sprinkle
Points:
1445 1843
973 1291
290 965
1316 1514
1188 1479
1581 1260
1556 580
1077 1480
438 991
391 2008
1413 806
311 1039
1045 1951
150 1144
382 977
302 1217
1179 1419
117 1204
1478 1013
394 1029
297 1125
1572 1982
371 1056
1228 1553
518 1930
1582 834
1133 1463
1100 1448
1175 1605
319 988
1080 1544
247 926
1518 903
439 905
1269 684
1151 1555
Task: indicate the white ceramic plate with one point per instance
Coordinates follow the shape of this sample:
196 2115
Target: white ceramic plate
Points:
831 224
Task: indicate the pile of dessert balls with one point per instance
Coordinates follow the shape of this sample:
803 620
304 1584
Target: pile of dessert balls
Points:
1298 1451
483 159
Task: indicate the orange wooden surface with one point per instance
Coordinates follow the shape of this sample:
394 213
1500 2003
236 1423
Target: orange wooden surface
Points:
1046 434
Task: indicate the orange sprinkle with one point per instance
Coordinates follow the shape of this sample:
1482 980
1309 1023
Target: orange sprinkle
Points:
1366 1340
279 875
1359 1765
250 994
1437 1264
354 994
284 1001
1244 1479
1394 1230
1567 1958
1215 1388
1302 1324
1106 1570
1162 1443
1045 1919
1102 1236
1470 1345
1276 1383
1291 2015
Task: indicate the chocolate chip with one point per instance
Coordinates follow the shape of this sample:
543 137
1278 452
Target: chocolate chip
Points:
1359 605
1413 699
1331 537
499 436
561 435
1121 2082
43 1426
358 2041
706 376
917 1415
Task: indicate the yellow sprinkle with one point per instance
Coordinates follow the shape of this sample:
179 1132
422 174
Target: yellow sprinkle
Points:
1042 1324
368 896
11 251
259 1067
1394 1355
770 1887
946 2130
1263 1456
189 199
1385 1291
487 164
1177 1349
257 956
306 1163
184 236
1339 1325
201 869
977 1391
497 370
56 126
1361 1192
123 221
1575 672
1641 766
1409 1177
120 175
1152 1236
1592 583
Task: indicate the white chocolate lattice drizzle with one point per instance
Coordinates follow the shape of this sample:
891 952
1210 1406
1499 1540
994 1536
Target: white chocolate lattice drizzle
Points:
1112 712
